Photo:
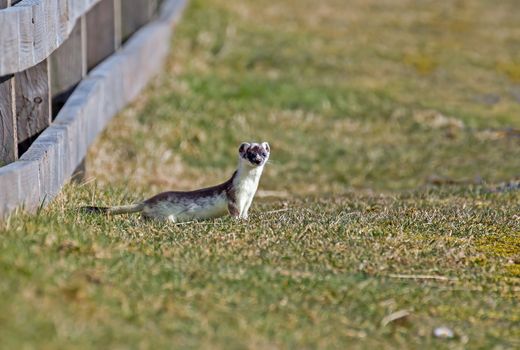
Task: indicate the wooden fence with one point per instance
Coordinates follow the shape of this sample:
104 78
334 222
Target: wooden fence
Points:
66 68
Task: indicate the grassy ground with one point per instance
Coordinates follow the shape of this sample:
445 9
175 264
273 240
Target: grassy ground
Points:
393 127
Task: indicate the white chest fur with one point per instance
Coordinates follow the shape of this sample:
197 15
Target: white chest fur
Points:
245 185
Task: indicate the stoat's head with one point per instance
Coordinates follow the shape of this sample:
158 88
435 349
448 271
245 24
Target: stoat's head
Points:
254 154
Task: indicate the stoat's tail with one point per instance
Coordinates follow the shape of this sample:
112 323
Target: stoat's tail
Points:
123 209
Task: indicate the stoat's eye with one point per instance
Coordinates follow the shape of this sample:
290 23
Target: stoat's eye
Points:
264 154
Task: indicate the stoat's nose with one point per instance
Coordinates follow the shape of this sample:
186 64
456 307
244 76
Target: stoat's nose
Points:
255 159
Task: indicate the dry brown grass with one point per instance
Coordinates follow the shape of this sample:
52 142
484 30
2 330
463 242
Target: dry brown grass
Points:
390 207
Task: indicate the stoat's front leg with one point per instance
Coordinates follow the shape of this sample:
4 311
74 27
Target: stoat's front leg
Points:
243 210
233 209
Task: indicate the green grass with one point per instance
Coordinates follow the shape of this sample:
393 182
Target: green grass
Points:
363 105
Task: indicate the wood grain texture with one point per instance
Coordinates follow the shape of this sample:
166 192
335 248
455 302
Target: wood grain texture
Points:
39 37
83 22
25 39
9 184
100 32
32 29
29 185
134 15
66 63
19 187
51 20
63 23
73 125
8 138
3 4
9 40
33 108
118 34
66 68
56 153
49 152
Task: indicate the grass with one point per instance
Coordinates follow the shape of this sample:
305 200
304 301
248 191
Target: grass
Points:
393 128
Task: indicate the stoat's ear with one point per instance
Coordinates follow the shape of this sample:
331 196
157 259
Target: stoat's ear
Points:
243 147
265 145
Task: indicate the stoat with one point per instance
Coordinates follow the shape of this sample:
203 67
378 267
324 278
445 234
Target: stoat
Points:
233 196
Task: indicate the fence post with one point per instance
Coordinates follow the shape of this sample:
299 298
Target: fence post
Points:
33 104
8 137
84 68
135 14
66 68
118 34
47 47
100 32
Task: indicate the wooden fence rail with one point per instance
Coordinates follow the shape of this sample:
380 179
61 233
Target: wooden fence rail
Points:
67 67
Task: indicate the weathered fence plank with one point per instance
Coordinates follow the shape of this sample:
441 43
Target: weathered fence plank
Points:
32 29
100 32
51 19
63 24
83 22
38 36
19 186
33 105
135 14
9 39
8 139
50 161
25 40
66 68
118 34
49 153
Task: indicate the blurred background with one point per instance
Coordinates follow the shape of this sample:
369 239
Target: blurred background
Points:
380 95
392 218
